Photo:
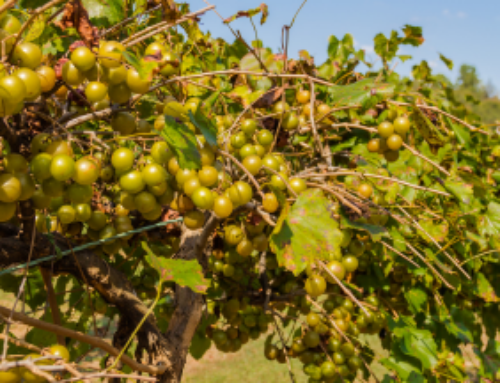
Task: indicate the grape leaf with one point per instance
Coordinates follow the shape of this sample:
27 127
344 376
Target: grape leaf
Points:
447 61
207 128
489 223
385 47
403 365
36 28
184 273
421 345
339 50
306 232
462 191
426 128
437 230
483 288
416 297
105 13
458 324
182 142
376 232
490 359
364 92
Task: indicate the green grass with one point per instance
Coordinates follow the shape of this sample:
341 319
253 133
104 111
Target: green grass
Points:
246 365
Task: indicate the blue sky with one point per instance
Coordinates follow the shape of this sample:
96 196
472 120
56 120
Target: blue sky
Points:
465 31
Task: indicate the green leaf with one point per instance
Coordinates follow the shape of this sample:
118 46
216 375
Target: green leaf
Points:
404 58
385 47
184 273
306 232
413 35
420 344
462 191
421 71
483 288
426 128
462 134
489 223
206 126
182 141
105 12
416 297
403 365
459 323
364 92
490 359
339 50
36 28
437 230
376 232
250 13
416 377
446 61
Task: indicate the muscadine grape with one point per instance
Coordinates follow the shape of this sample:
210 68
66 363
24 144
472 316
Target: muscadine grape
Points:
238 140
83 58
12 90
59 350
40 200
191 185
110 54
270 202
86 171
77 193
183 175
385 129
277 181
59 147
401 126
83 212
31 82
365 190
253 164
7 211
248 126
96 91
27 186
173 166
15 163
194 219
202 197
303 96
71 75
97 220
119 93
145 202
265 137
122 159
394 142
223 207
208 176
374 145
62 167
315 285
66 214
40 166
135 83
124 123
290 121
27 55
244 191
10 188
47 77
132 181
247 150
161 152
336 268
154 214
391 155
154 174
298 185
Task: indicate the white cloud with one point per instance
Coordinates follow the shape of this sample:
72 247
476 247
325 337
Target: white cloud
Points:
454 15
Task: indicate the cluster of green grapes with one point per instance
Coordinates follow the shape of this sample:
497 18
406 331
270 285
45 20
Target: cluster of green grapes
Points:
23 374
392 135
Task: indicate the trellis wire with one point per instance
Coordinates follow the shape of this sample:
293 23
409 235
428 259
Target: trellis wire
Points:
87 245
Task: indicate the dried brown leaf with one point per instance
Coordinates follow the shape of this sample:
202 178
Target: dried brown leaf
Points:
76 16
